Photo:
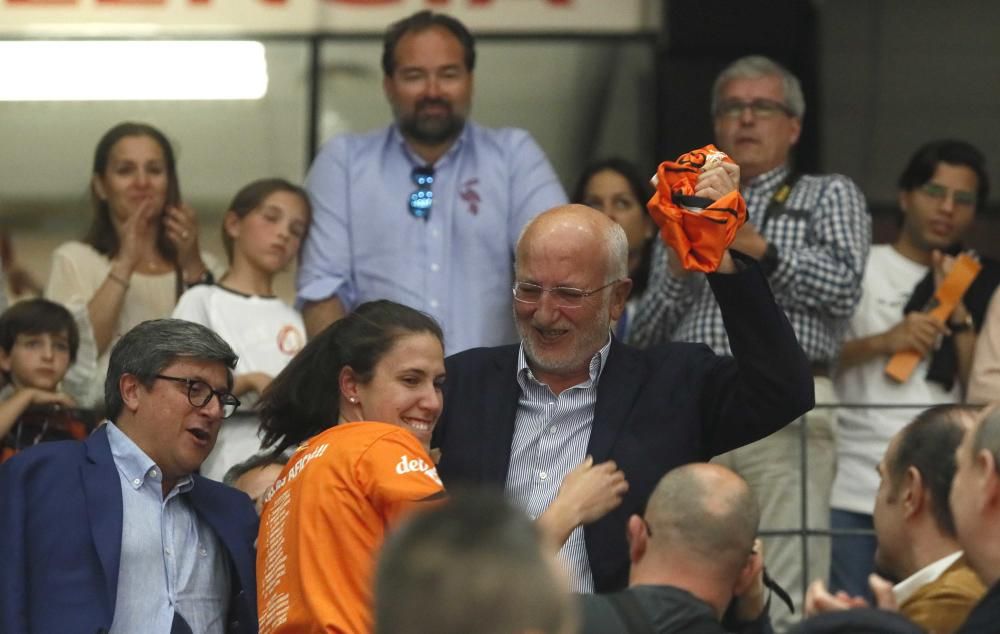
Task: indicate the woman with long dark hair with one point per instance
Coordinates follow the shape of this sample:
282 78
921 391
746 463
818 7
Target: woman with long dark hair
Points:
615 187
139 254
359 403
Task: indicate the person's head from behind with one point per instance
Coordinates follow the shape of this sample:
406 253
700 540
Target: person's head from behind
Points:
255 475
975 495
265 225
134 169
757 107
940 189
383 362
617 189
427 60
916 475
168 388
472 564
38 342
700 519
571 282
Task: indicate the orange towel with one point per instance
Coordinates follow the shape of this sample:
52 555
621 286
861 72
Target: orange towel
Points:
700 238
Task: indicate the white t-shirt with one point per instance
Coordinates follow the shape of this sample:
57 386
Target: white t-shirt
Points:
862 433
78 270
265 333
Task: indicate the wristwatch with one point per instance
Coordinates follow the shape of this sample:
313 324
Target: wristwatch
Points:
769 261
962 326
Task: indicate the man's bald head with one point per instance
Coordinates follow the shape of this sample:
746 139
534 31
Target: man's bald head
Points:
706 511
583 226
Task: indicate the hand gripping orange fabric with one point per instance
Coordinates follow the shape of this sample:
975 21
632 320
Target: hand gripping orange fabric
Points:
700 238
949 292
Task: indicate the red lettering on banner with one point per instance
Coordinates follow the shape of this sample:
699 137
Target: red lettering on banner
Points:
363 2
374 3
41 2
133 2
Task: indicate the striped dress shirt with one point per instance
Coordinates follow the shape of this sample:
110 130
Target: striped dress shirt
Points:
551 433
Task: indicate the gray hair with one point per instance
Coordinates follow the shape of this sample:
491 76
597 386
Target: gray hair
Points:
693 509
616 242
153 345
755 67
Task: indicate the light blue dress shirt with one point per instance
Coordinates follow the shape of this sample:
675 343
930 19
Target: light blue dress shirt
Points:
171 560
364 243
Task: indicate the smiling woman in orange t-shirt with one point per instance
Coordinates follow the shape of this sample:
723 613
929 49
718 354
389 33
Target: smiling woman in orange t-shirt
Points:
351 479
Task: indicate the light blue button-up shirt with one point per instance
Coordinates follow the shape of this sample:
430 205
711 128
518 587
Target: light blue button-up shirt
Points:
171 560
364 243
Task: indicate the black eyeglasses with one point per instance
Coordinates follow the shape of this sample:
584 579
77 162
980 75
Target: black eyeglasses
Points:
422 199
200 393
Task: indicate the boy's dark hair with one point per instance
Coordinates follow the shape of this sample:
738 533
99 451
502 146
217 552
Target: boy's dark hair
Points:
38 316
925 160
421 21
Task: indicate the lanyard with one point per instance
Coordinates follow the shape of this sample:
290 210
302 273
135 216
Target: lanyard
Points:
778 199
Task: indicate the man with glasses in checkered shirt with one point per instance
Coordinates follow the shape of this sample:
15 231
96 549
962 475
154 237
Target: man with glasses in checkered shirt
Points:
811 235
426 211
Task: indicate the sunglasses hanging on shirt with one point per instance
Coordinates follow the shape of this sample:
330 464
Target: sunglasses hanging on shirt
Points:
422 199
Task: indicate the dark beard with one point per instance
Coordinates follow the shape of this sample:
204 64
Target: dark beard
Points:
432 130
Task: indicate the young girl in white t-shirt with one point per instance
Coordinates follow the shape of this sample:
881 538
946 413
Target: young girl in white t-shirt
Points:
261 232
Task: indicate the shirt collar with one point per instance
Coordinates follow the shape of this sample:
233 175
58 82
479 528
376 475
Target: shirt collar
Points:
768 180
597 363
415 160
905 588
135 465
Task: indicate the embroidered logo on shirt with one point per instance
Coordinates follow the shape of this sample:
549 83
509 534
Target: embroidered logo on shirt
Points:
417 465
470 195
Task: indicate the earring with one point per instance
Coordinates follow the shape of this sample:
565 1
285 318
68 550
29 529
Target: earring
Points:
353 399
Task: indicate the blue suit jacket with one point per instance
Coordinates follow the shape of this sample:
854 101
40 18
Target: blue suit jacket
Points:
656 409
61 534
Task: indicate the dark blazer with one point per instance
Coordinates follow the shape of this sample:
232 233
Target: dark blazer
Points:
61 534
985 617
656 408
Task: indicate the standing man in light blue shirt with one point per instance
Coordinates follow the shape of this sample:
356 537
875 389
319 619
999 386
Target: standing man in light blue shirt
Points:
117 533
427 211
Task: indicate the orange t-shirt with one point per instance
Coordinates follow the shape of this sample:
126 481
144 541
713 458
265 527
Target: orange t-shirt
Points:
324 520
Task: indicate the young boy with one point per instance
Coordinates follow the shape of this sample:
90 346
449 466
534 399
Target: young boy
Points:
38 342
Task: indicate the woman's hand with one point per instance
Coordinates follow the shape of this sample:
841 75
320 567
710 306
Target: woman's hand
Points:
180 223
135 236
587 493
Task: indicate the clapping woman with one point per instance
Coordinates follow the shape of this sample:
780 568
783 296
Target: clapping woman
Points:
139 254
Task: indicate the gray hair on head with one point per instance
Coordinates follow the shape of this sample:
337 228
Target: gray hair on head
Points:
755 67
616 242
153 345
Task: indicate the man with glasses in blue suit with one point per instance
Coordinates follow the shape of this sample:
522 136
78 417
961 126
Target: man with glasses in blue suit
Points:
426 211
118 533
